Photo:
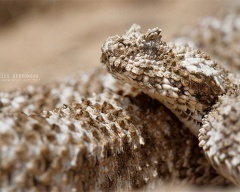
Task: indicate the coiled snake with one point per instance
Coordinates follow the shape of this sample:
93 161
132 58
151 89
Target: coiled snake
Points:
202 94
91 133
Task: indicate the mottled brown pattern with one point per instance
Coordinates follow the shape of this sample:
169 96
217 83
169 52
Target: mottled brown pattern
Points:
184 79
115 139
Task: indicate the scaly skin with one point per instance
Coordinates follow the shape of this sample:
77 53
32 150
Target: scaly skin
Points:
104 137
184 79
220 38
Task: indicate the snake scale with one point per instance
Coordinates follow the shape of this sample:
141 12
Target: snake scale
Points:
199 91
92 133
116 139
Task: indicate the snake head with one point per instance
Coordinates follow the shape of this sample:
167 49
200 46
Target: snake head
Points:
123 54
183 78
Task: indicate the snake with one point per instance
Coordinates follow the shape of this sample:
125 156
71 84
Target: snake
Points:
196 88
90 133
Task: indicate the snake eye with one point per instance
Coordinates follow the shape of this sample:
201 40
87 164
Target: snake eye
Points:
150 48
153 34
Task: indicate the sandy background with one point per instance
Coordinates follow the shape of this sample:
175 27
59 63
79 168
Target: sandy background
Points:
54 39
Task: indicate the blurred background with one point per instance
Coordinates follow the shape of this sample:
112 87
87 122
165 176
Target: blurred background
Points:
52 39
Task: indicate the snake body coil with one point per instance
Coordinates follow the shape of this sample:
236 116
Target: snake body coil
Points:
189 83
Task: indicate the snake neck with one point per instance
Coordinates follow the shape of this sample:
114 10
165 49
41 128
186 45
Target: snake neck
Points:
190 115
